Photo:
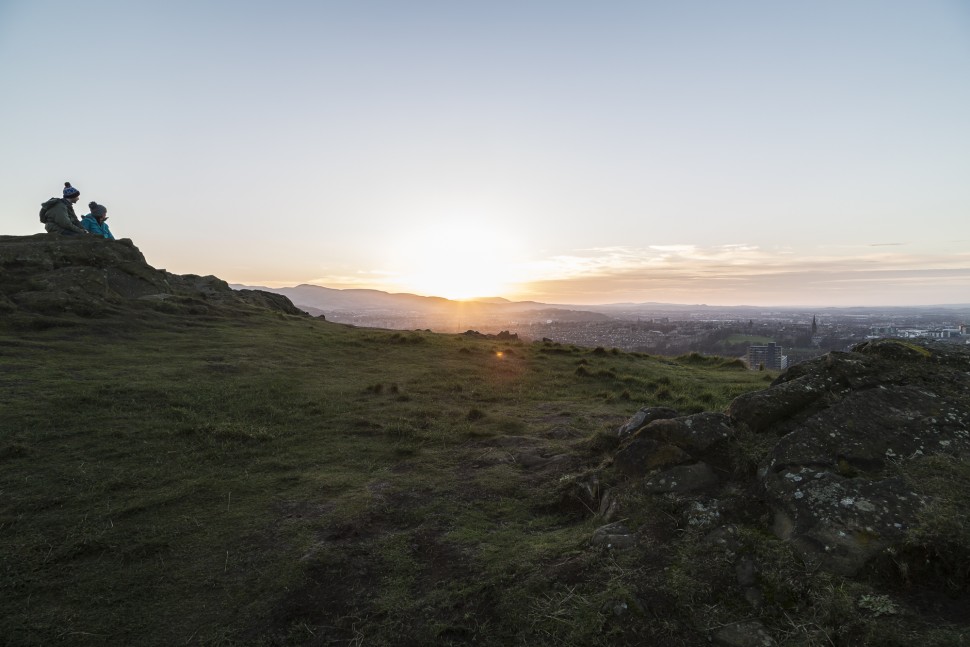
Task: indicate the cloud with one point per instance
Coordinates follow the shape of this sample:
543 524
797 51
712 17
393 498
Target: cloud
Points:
734 274
866 274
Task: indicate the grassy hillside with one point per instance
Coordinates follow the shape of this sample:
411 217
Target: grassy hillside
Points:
276 480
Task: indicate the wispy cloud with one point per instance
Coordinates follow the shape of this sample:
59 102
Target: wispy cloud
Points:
731 274
864 274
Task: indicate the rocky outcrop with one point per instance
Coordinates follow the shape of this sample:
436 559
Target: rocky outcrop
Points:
850 427
661 442
644 417
835 479
46 275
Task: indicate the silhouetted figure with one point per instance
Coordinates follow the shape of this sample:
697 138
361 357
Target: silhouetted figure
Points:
58 215
94 222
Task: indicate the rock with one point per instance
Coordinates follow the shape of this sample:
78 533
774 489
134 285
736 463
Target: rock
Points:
271 301
743 634
643 417
643 455
581 494
726 537
865 429
746 571
759 410
684 478
851 429
837 522
754 597
666 442
608 507
833 479
614 535
697 434
703 515
93 277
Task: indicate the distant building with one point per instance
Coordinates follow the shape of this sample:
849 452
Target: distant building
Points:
883 330
768 356
942 333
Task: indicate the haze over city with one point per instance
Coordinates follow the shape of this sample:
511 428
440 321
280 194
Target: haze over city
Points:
563 152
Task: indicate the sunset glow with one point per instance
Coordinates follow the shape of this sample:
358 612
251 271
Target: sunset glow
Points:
456 260
725 153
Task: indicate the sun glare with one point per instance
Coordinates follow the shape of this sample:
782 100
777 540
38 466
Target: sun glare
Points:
457 261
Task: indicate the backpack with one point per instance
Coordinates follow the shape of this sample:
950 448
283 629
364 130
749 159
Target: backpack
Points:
45 207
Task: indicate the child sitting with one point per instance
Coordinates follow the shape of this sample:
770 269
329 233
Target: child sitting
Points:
94 222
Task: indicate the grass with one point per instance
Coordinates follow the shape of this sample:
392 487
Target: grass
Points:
270 480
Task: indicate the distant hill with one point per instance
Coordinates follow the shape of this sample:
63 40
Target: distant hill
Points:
320 300
316 298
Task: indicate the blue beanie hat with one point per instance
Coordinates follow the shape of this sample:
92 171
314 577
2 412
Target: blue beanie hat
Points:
70 191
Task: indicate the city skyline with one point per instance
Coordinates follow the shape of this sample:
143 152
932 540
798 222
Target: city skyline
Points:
637 152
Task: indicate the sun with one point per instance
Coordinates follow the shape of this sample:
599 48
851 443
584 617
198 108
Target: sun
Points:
457 260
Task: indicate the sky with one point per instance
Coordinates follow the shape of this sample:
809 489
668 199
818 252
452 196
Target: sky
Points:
698 151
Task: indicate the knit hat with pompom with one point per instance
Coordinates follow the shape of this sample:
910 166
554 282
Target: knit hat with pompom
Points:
70 191
97 210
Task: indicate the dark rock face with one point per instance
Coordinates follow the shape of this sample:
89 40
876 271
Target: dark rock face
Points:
643 455
644 417
848 426
683 478
833 479
760 410
668 441
698 433
93 277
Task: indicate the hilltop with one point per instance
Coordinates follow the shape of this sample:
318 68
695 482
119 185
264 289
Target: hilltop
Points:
64 277
186 464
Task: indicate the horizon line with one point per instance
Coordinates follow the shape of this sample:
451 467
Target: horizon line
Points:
483 299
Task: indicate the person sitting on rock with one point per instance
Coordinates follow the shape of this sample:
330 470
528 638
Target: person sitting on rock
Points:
58 215
94 222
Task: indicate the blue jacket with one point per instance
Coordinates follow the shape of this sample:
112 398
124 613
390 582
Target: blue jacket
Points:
91 224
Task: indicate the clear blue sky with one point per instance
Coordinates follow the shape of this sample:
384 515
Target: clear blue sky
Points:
573 152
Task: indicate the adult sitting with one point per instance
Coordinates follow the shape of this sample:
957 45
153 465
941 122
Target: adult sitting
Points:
58 215
94 222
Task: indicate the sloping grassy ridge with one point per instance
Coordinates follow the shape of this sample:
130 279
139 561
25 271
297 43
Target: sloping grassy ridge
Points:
183 472
272 479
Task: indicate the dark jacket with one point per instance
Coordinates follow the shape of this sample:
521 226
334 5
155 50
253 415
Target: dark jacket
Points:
60 217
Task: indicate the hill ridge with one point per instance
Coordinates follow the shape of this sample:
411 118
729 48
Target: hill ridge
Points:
44 275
